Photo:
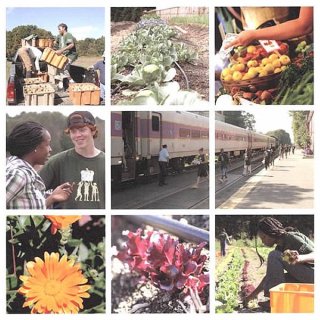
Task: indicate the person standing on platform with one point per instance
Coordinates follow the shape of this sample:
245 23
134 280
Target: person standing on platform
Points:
247 162
202 168
223 158
163 162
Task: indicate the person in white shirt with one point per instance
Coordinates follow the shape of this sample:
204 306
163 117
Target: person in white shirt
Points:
30 57
163 161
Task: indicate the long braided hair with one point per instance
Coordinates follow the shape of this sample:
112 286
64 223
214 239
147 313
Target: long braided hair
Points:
24 138
269 226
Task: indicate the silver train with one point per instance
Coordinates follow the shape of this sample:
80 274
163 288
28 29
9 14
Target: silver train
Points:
235 140
137 137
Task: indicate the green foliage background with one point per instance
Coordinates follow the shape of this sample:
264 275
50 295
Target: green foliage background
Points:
128 13
29 237
55 122
86 47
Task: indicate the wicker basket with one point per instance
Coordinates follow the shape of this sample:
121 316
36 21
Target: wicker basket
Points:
262 83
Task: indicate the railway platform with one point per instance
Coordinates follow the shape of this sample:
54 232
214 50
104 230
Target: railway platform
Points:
287 185
177 194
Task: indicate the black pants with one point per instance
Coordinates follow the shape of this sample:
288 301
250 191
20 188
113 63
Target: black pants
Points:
163 172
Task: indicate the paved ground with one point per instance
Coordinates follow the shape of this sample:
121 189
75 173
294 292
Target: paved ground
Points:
289 184
177 194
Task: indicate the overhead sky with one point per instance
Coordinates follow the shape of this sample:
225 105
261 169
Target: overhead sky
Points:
82 22
272 119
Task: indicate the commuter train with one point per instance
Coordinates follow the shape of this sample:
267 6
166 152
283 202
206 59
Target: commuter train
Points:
137 137
234 140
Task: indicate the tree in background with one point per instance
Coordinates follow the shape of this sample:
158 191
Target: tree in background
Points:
55 122
300 129
16 34
128 13
239 225
240 119
86 47
282 136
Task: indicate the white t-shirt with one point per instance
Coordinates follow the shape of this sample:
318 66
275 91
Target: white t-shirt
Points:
34 53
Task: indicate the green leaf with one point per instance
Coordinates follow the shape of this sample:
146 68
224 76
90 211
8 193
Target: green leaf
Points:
128 93
83 252
170 75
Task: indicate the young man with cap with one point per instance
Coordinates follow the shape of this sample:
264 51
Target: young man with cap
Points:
83 165
163 161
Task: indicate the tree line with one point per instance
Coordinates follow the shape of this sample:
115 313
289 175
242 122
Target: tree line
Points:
239 226
86 47
128 13
55 123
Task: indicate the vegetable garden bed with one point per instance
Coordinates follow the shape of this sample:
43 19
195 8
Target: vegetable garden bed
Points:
157 64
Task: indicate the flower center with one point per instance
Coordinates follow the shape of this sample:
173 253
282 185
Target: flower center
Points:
52 287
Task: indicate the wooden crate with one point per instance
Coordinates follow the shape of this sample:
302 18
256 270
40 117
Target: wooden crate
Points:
31 42
84 94
46 43
39 94
50 56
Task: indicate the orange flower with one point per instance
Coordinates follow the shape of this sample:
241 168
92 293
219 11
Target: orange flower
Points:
61 222
54 286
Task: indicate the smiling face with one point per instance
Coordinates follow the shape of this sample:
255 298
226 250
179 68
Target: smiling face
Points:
42 151
82 137
267 240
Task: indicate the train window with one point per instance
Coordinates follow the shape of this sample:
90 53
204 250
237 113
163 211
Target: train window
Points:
155 123
184 133
195 133
205 134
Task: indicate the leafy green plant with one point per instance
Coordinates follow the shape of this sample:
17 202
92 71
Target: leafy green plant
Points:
227 287
145 64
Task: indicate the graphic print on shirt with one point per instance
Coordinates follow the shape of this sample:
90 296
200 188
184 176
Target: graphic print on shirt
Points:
87 189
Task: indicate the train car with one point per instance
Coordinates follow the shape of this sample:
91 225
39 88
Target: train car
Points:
236 140
137 137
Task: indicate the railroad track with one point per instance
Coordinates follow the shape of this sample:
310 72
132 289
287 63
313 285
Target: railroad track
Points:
228 185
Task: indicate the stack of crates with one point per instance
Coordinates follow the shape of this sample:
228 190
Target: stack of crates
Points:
84 94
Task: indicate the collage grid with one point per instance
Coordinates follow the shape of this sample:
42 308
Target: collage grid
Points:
108 212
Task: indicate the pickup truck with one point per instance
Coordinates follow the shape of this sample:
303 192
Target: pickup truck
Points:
16 78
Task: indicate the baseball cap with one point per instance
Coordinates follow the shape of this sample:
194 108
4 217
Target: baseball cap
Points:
80 119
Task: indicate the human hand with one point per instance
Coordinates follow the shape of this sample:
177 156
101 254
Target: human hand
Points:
291 256
243 39
59 52
62 192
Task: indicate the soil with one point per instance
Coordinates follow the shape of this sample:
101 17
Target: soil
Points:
131 293
195 36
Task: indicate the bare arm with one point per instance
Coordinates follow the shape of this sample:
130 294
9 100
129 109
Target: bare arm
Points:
68 47
256 291
290 29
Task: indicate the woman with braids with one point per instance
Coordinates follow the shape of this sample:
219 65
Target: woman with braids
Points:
29 145
299 266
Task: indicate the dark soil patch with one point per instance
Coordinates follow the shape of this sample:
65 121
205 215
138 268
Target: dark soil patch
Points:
130 294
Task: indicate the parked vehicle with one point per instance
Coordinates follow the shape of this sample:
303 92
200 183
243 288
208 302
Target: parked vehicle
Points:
17 75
